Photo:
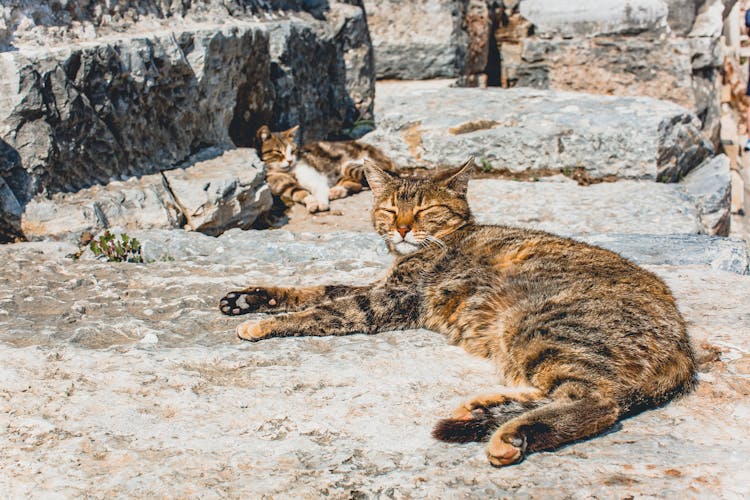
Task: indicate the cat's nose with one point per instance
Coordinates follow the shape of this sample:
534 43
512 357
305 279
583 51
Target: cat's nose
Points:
402 230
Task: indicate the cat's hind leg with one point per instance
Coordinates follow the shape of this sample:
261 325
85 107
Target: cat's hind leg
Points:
476 419
263 299
550 426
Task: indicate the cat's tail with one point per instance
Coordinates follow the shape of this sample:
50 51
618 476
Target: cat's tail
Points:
483 423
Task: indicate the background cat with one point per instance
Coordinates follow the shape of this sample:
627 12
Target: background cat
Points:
581 337
318 171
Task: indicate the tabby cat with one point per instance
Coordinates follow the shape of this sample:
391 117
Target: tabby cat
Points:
318 171
580 336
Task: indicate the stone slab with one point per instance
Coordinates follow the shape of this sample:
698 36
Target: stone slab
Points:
138 203
520 130
129 382
219 193
595 17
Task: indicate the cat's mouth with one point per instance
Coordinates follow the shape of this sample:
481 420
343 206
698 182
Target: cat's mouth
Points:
404 247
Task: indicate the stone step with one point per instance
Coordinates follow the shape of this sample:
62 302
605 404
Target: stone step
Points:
221 190
114 360
216 191
430 123
699 204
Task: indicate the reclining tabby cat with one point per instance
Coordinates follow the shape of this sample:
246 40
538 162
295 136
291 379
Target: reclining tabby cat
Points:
318 171
580 336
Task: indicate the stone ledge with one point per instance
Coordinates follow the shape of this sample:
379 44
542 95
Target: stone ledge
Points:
429 123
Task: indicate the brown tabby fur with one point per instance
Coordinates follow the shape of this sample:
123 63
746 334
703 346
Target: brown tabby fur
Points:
340 163
581 336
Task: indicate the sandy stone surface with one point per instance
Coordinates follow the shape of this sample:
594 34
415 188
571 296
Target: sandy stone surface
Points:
124 379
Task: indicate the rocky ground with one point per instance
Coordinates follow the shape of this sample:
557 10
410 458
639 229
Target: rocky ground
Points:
125 379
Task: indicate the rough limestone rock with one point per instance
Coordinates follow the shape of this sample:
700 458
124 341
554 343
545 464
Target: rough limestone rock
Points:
138 203
216 191
595 17
523 130
564 207
710 186
89 95
123 379
418 39
222 192
668 50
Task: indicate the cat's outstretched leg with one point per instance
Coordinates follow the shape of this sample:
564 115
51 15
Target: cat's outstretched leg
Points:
550 426
281 299
369 311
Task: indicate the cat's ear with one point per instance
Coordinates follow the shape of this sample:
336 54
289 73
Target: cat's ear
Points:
377 178
263 133
292 132
459 182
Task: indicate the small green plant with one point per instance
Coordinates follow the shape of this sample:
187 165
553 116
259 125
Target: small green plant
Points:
567 171
117 248
485 165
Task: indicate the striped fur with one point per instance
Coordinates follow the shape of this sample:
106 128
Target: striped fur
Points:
339 166
580 336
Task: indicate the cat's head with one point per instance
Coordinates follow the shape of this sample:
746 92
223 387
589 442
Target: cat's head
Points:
413 213
278 150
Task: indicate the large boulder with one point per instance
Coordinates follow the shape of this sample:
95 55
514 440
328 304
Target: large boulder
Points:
89 95
424 124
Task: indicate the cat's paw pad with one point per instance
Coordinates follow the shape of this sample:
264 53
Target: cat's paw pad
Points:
314 205
247 301
250 330
505 449
337 192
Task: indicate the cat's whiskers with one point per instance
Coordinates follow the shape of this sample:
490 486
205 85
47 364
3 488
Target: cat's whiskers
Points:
437 241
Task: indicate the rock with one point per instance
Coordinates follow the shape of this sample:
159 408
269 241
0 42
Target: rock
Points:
80 110
710 187
138 203
336 416
214 192
10 214
569 209
222 192
419 39
627 49
724 254
595 17
525 130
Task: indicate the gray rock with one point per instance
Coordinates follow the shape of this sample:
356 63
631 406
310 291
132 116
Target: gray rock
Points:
78 113
595 17
123 378
710 187
724 254
569 209
215 192
222 192
520 130
418 39
138 203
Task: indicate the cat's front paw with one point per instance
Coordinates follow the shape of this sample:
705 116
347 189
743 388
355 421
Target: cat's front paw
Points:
337 192
248 301
506 449
251 330
314 205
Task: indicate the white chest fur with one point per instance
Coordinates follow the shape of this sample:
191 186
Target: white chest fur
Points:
312 180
